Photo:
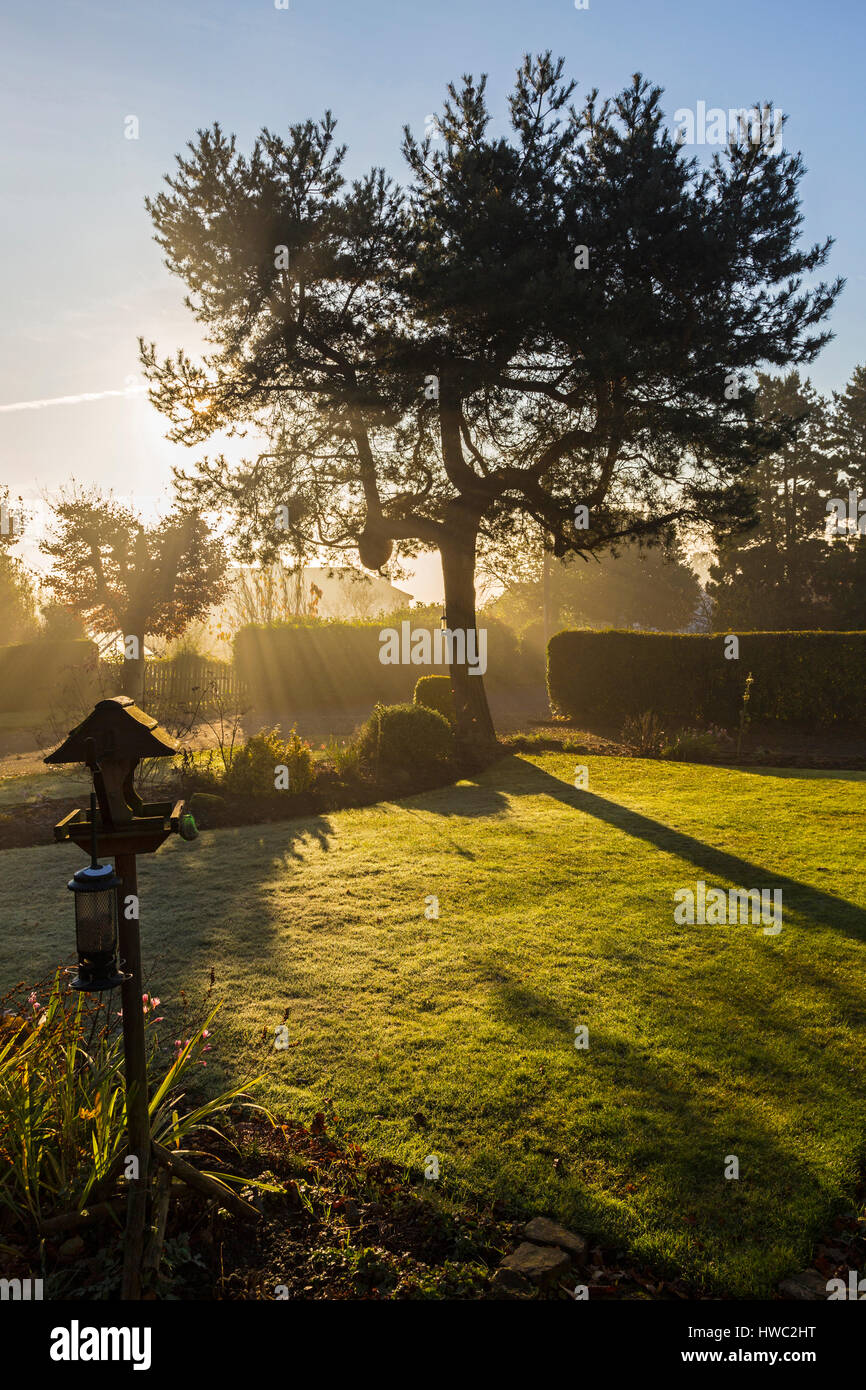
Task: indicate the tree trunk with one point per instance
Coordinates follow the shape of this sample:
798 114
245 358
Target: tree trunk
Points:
545 593
133 679
476 736
133 666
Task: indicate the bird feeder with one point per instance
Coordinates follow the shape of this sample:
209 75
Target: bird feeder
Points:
111 741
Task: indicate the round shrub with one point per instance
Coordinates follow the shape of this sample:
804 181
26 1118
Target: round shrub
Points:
434 692
406 737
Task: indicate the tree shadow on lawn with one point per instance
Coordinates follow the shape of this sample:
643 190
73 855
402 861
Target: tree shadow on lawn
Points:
470 799
515 777
628 1142
228 907
715 1071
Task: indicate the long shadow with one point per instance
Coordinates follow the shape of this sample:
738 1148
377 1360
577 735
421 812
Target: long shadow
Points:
471 800
659 1123
518 778
214 921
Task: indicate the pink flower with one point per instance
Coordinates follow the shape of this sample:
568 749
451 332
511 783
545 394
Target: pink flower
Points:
205 1032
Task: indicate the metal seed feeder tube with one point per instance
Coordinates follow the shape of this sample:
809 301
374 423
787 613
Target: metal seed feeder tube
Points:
95 888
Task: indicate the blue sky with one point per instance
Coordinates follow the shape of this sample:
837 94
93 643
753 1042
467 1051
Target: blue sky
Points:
82 277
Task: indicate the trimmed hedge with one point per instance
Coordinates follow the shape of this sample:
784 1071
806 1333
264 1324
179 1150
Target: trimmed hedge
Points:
334 664
33 675
434 692
815 678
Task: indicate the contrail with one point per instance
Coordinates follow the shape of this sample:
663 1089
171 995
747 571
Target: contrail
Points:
72 400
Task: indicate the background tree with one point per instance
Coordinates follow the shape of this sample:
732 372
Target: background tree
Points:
775 577
563 317
649 587
849 431
846 565
18 618
124 578
60 622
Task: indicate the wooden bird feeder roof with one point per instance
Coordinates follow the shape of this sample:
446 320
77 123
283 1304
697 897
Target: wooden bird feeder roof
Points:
120 730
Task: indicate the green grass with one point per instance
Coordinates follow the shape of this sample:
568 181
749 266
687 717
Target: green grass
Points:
556 909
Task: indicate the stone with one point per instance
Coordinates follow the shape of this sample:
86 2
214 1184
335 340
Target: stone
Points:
542 1264
807 1286
543 1231
510 1281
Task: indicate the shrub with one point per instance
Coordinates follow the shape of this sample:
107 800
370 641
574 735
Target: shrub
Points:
200 770
207 809
253 767
407 737
644 733
434 692
34 675
700 743
346 757
814 678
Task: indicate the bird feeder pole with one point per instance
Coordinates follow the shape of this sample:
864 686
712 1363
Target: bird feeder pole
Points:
135 1058
111 741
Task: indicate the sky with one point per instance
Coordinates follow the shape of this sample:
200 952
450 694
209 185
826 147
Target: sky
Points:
82 278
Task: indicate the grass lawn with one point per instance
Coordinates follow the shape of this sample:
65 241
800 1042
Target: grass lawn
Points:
455 1036
54 783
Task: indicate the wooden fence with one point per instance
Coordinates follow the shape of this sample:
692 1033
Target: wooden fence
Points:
191 683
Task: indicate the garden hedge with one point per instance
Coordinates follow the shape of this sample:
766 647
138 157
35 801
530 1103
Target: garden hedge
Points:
334 664
34 675
814 678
